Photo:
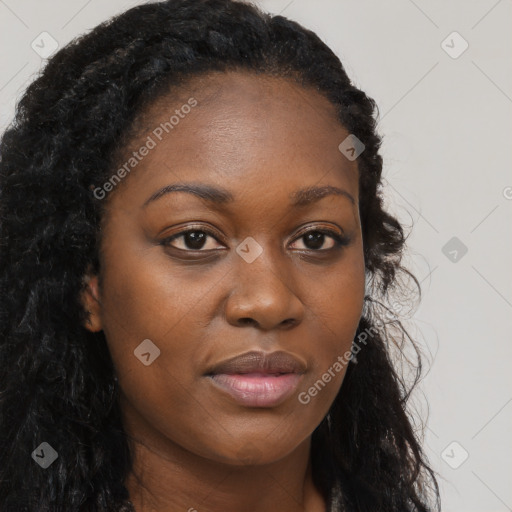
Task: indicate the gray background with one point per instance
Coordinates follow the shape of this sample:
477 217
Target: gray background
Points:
446 124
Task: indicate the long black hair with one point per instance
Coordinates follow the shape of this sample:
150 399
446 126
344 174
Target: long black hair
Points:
57 380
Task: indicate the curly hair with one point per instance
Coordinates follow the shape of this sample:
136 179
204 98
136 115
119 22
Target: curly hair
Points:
57 379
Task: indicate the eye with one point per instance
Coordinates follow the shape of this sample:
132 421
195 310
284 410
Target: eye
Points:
315 239
191 240
203 239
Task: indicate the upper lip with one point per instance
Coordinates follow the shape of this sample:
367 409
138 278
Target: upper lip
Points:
260 362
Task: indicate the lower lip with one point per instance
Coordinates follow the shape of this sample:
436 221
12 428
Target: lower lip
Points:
257 389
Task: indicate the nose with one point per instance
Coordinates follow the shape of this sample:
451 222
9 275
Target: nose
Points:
264 294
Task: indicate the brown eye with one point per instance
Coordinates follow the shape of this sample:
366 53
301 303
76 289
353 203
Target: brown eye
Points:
192 240
315 239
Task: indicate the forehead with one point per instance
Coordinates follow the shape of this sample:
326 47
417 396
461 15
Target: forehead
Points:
245 129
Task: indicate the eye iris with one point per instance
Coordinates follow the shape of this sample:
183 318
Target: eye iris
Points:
195 239
316 238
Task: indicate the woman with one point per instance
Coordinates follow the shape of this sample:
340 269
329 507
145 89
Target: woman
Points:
194 263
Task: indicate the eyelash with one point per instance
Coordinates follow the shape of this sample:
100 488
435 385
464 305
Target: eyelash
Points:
340 240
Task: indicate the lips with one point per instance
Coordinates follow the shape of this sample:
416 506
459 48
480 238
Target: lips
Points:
260 362
258 379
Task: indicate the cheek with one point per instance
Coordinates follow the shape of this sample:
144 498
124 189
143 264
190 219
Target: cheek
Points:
336 304
336 297
147 297
144 300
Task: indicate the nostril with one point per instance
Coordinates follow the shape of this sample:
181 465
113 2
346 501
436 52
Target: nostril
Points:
246 321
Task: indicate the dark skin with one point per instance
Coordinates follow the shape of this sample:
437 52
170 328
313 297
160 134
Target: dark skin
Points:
262 139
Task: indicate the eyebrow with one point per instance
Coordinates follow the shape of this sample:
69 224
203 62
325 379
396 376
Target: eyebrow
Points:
220 196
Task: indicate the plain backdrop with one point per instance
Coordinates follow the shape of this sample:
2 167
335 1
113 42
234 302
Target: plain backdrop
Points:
441 74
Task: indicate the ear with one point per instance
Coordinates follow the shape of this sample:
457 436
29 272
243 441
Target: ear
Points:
91 301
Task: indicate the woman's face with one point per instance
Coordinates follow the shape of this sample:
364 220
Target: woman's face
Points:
241 274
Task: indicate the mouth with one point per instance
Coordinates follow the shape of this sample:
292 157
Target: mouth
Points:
257 389
258 379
